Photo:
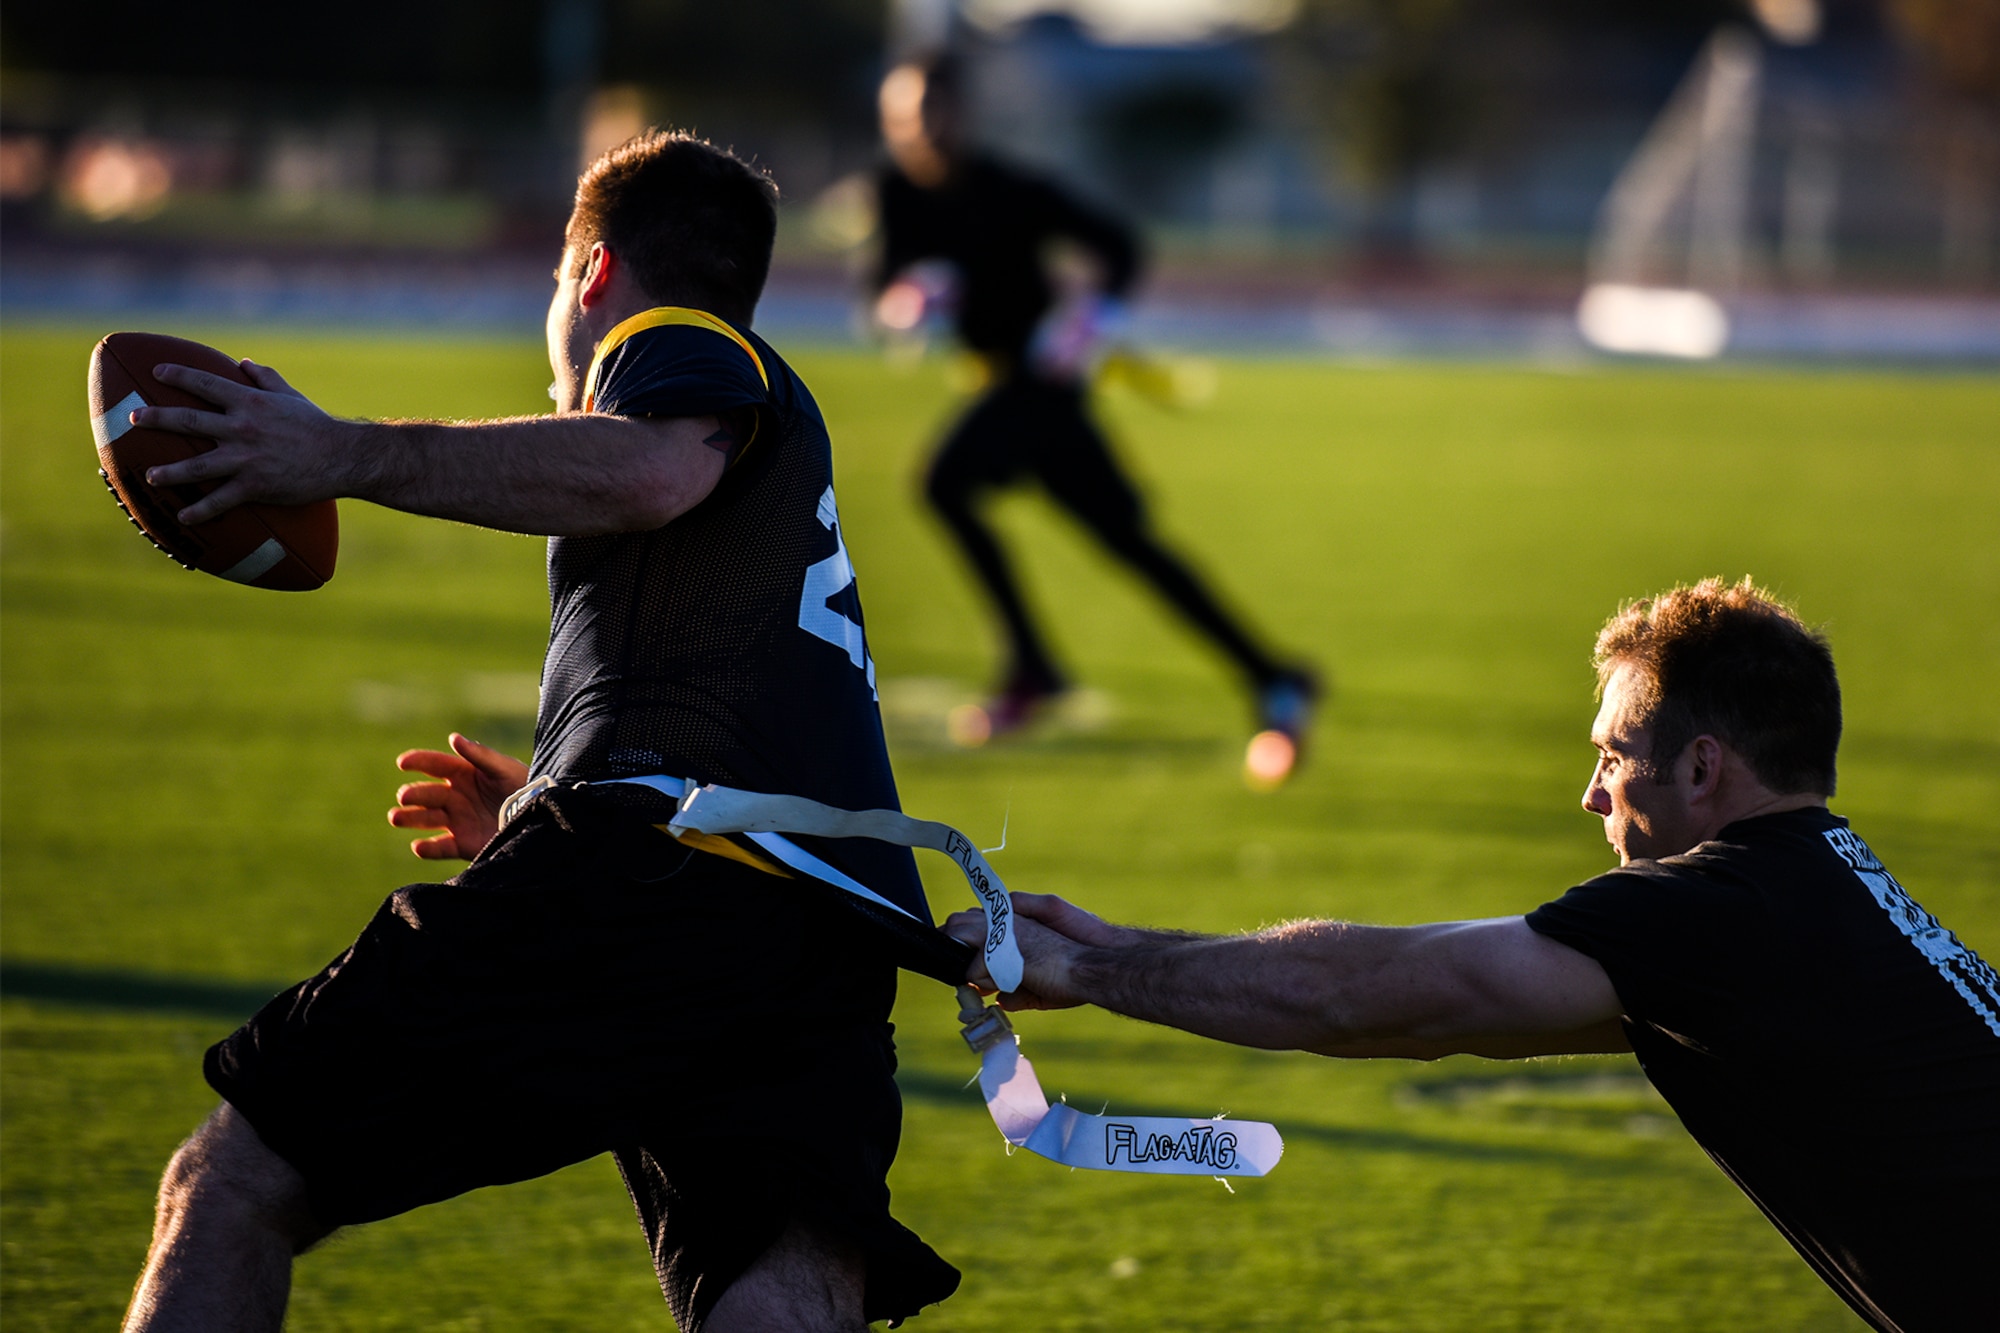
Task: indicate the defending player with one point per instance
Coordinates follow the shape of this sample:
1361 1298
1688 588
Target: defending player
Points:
589 984
1832 1046
990 224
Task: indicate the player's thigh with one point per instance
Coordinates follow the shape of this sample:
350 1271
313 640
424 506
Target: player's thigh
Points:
527 1015
1084 479
811 1280
989 446
802 1132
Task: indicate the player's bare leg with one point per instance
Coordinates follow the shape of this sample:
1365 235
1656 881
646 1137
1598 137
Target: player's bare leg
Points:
232 1213
808 1282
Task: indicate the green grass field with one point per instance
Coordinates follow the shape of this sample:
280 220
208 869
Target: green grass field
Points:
195 774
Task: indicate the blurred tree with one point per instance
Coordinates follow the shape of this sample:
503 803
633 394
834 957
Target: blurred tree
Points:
1957 43
1400 87
411 46
1959 40
792 57
1155 138
513 82
784 58
1397 93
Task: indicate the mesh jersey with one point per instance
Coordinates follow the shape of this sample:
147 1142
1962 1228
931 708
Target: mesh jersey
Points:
726 646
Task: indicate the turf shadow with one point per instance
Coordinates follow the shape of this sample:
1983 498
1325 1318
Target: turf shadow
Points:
130 989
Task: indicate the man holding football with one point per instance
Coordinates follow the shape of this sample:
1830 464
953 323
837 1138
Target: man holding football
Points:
1832 1046
592 983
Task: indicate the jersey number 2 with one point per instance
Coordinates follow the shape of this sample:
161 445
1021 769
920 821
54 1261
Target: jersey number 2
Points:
825 580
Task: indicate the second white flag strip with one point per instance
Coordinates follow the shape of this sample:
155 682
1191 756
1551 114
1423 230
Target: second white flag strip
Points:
1156 1145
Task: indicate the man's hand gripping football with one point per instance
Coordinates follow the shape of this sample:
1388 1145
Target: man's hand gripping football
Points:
272 444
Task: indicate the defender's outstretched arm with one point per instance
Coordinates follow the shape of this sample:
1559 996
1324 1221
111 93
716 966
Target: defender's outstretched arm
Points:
1493 987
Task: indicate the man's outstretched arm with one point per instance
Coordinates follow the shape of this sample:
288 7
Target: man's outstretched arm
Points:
576 474
1494 988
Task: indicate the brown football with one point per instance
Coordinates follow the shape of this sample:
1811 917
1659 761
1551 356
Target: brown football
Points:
291 548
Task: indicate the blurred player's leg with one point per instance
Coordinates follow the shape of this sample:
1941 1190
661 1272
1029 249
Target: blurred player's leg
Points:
977 457
1135 544
1282 696
1077 468
1284 711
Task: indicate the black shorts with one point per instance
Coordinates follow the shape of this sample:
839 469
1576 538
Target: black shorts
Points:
589 985
1026 427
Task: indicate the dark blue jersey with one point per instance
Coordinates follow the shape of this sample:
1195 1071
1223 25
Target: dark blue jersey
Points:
726 646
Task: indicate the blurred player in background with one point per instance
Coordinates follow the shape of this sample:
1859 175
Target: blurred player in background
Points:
965 232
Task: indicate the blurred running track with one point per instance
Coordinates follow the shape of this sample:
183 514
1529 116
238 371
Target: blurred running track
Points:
507 294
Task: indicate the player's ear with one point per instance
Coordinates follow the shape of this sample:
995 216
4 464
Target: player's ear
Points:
1705 765
598 266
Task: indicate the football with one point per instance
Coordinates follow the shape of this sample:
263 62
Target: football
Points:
290 548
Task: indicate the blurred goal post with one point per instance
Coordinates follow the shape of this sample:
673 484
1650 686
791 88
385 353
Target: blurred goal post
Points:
1672 235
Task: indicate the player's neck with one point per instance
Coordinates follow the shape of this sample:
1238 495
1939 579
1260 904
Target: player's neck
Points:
1747 798
1777 804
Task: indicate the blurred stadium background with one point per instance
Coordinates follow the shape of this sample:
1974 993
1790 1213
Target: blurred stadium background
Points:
1382 220
1360 176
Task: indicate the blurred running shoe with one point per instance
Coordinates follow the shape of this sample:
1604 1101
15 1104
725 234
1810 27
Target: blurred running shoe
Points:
1284 712
1017 704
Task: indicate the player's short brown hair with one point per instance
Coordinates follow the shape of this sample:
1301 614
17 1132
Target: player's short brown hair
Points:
1735 663
694 222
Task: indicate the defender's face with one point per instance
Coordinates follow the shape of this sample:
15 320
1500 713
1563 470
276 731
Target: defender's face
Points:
569 344
1644 807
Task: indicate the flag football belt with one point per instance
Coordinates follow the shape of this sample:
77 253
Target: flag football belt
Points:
1155 1145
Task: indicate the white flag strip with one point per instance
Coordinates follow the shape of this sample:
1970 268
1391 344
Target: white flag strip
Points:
1152 1145
726 810
1148 1144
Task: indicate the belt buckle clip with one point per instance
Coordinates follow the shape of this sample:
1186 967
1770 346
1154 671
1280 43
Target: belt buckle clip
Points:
518 800
982 1025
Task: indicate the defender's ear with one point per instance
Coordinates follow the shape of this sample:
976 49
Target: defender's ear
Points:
1704 767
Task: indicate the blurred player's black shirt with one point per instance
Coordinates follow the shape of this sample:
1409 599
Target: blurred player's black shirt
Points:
1831 1046
726 646
993 223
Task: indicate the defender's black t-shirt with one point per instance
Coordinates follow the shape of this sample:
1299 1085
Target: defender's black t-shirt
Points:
726 646
993 222
1832 1046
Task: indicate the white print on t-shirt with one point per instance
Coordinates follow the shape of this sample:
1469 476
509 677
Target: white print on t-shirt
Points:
1969 974
826 579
